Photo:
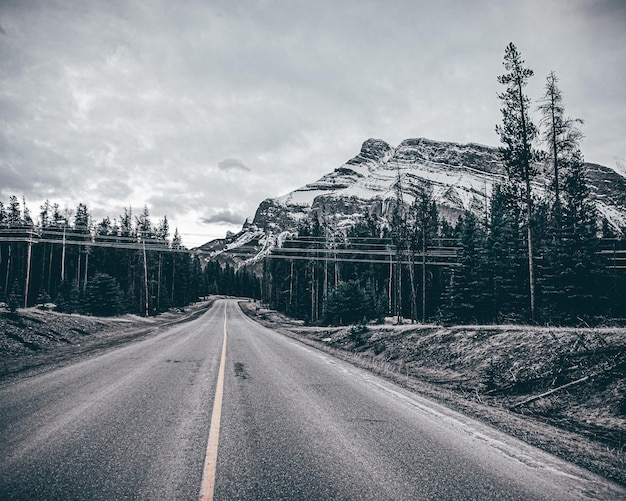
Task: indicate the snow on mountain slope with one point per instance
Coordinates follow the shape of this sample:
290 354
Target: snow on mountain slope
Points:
458 176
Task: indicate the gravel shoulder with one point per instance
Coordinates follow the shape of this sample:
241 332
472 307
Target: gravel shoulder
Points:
562 390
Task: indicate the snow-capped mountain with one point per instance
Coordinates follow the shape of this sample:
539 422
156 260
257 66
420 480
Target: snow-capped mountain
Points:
458 176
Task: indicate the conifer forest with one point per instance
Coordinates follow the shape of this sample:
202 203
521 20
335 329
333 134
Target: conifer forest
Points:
125 265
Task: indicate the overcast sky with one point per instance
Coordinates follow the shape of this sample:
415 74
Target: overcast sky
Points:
201 109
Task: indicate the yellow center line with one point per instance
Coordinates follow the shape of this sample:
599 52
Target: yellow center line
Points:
210 462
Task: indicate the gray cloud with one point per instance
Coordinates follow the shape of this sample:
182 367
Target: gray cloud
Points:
114 102
232 164
224 216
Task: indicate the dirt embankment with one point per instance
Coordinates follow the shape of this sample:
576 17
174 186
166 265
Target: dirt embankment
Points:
563 390
35 340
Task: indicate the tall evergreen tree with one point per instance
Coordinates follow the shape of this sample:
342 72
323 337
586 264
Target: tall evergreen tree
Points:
573 221
561 136
126 223
14 213
144 225
162 231
57 218
44 214
81 219
517 133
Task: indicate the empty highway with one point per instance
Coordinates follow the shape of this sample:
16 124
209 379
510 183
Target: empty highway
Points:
223 408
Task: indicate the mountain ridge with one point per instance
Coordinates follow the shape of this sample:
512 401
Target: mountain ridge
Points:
459 177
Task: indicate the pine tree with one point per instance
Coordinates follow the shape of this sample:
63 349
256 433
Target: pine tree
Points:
504 274
466 304
126 223
57 218
27 219
349 303
14 213
517 133
103 296
561 136
422 230
144 225
583 266
44 215
104 227
3 215
68 297
81 219
163 230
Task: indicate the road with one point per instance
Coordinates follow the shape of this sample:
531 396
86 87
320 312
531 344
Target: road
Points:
294 423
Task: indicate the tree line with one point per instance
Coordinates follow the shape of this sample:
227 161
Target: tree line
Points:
110 267
533 257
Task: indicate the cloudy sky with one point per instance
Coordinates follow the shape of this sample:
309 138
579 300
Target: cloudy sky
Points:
201 109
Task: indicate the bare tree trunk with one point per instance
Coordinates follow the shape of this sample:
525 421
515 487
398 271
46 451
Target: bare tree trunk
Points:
43 262
529 207
313 293
424 279
63 258
145 274
159 283
531 262
398 294
413 294
325 290
550 392
173 275
50 268
27 285
290 286
390 302
6 280
86 267
78 268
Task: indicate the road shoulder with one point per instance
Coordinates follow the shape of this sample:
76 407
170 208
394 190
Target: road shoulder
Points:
35 341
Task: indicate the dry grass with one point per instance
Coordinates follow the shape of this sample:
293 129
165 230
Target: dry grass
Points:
36 340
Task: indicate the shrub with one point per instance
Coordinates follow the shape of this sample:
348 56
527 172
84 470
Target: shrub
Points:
348 303
103 296
15 298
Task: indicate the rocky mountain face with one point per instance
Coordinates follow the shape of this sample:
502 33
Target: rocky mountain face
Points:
459 177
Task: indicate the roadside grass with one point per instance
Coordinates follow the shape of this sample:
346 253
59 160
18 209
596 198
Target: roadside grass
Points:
37 340
560 389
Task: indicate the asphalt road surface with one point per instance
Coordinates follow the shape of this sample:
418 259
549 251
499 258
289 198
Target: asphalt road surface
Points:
294 423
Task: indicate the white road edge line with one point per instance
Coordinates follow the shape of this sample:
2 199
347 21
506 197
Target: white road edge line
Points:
210 462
